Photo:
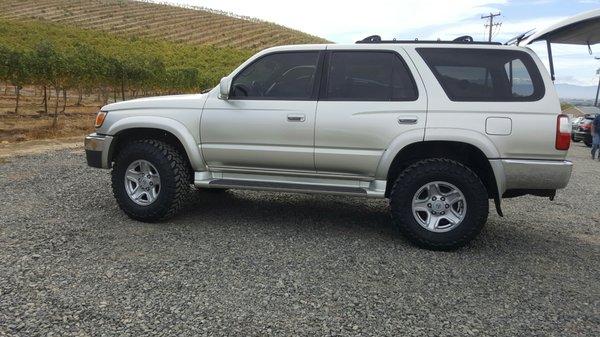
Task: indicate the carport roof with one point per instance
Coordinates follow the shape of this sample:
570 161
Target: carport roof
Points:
582 29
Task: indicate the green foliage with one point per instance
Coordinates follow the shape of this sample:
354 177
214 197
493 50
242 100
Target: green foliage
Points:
19 72
50 55
151 20
565 105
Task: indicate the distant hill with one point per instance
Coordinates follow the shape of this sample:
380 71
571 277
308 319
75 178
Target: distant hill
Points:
566 91
138 19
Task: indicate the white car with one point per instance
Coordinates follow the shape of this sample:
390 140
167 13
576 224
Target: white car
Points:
439 128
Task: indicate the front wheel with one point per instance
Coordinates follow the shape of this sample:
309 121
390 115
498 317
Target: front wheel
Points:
150 180
439 204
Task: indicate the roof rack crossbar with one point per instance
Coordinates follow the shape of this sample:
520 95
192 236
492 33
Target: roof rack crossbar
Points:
461 40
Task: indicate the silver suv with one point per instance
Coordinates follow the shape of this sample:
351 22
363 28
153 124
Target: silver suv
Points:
438 128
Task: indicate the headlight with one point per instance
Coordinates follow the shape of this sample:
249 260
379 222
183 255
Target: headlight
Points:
100 118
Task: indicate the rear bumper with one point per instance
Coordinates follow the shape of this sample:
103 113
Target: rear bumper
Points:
96 150
581 135
536 174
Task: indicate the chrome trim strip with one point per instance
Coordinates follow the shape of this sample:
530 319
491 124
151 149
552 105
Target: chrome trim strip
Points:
370 189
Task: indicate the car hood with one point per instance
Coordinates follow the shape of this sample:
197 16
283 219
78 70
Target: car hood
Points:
193 101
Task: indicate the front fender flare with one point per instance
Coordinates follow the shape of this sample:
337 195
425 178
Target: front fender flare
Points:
172 126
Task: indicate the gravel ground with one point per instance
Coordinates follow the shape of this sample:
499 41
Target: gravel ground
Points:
248 263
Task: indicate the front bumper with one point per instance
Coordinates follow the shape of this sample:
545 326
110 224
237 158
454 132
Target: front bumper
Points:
96 150
536 174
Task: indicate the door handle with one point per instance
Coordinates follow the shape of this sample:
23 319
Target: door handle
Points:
408 120
296 118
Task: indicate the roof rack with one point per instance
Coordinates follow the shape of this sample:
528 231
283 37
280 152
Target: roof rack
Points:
466 39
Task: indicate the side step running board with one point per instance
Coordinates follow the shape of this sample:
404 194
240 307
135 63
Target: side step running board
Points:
286 187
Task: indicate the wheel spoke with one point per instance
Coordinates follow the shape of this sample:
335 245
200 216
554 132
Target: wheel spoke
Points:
155 179
153 193
421 206
453 197
137 193
432 222
133 176
144 167
433 189
453 217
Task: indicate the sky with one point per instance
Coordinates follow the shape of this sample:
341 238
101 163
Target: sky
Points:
348 21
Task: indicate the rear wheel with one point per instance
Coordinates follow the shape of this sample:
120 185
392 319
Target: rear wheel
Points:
150 180
587 142
439 204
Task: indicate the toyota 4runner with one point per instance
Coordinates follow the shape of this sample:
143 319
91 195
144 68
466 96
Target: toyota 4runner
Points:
438 128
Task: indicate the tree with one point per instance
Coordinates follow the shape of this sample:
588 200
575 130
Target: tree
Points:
4 68
44 69
19 74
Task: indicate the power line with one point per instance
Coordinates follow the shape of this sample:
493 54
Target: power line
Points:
491 25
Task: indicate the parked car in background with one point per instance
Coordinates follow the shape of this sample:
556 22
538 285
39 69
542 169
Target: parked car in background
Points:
583 130
575 127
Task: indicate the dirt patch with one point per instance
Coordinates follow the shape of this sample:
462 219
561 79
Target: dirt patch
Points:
8 150
35 122
18 128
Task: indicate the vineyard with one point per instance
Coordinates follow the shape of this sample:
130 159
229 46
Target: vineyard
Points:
197 26
67 58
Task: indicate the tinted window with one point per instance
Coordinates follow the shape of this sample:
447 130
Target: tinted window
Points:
485 74
277 76
519 79
368 76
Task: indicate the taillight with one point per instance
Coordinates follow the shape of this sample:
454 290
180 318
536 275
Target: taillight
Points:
585 126
563 132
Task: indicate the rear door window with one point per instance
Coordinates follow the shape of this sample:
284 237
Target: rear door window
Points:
485 74
368 76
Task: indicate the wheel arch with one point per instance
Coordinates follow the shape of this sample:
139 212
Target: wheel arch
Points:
165 129
462 152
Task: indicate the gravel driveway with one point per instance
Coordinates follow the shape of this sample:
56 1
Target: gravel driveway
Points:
247 263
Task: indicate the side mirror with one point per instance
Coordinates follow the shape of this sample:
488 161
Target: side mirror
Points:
224 87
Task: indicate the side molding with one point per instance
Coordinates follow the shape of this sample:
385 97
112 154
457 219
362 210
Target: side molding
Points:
170 125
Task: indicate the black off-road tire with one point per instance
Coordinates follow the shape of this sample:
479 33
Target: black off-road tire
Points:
587 141
429 170
175 178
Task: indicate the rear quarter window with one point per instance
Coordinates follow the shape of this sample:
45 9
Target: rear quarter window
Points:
485 75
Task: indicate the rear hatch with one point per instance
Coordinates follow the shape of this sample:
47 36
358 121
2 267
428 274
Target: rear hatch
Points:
582 29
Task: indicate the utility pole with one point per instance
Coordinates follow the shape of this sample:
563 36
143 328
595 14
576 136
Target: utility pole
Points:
491 25
597 89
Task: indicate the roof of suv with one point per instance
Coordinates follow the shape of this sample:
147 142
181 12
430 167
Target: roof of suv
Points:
410 44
